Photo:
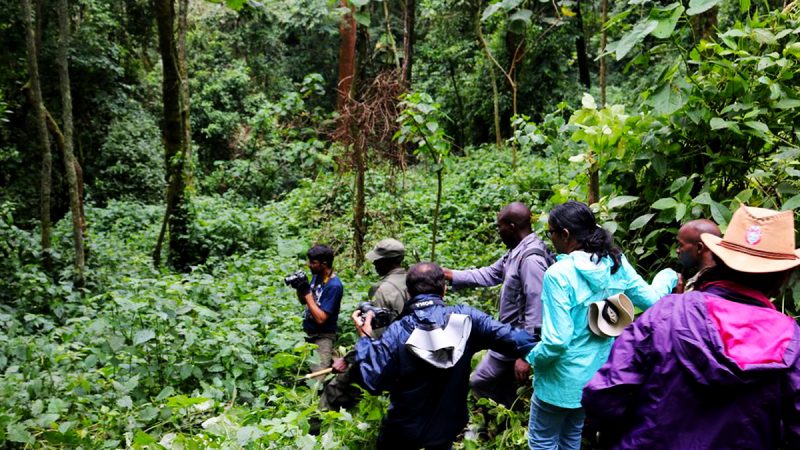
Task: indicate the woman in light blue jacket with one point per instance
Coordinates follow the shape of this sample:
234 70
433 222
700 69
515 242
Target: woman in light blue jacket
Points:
588 268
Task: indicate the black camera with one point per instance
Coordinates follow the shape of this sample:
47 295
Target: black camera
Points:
383 316
296 279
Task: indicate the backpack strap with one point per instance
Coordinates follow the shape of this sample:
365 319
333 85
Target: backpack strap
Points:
548 258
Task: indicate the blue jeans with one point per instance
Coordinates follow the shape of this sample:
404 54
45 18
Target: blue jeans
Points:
554 428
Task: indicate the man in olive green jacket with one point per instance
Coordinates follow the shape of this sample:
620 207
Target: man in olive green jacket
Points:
390 291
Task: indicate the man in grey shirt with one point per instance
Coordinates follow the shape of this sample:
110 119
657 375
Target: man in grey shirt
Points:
520 270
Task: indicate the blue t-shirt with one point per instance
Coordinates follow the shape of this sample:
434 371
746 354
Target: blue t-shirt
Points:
329 298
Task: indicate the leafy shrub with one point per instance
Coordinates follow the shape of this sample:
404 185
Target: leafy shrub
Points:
131 163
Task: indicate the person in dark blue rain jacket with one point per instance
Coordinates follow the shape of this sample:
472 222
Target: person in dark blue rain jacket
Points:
423 361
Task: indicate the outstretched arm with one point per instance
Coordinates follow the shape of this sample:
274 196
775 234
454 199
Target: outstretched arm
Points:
483 277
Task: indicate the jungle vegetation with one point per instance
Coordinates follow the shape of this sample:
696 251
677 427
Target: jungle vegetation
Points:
164 163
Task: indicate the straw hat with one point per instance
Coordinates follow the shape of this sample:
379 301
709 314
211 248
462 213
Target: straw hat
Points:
757 240
609 317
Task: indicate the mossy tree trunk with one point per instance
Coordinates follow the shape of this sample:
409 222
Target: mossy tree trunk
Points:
41 126
70 165
176 216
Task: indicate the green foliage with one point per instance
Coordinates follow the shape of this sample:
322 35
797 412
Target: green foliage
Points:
420 120
130 164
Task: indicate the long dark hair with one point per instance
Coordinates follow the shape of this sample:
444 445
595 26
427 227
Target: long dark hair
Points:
579 220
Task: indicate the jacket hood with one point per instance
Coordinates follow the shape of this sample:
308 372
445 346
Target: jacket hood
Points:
724 342
596 271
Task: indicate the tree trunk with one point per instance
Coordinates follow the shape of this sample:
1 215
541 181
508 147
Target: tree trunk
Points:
183 27
75 200
176 215
347 56
603 38
495 94
460 139
435 227
409 20
580 48
359 203
41 124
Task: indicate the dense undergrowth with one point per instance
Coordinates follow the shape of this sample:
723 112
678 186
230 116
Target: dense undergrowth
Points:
210 358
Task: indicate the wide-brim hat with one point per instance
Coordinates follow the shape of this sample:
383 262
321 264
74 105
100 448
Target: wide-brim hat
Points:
758 240
609 317
386 248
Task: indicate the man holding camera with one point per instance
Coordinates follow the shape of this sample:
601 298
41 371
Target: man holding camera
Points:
387 298
322 299
423 360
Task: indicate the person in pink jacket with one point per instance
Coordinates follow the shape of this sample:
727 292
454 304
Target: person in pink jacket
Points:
715 368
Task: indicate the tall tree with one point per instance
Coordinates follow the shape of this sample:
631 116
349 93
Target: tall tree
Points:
580 48
183 27
409 20
41 125
176 216
347 56
70 164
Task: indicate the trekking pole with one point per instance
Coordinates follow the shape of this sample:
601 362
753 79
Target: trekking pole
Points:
315 374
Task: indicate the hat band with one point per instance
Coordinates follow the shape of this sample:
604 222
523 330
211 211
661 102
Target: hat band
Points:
754 252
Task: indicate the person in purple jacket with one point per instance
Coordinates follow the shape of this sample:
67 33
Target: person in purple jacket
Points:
716 368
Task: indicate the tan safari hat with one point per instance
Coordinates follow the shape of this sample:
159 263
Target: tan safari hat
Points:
758 240
609 317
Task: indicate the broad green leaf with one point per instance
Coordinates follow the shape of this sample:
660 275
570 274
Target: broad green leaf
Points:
720 213
149 413
636 35
680 211
166 392
362 18
143 438
792 203
787 103
761 128
667 18
664 203
622 200
508 5
703 199
700 6
671 97
235 5
248 434
764 36
16 432
143 336
744 5
678 184
491 10
359 3
523 15
718 123
125 402
640 221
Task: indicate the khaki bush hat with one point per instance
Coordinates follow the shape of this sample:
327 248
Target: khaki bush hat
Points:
758 240
609 317
387 248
